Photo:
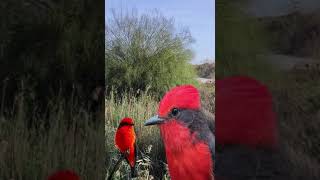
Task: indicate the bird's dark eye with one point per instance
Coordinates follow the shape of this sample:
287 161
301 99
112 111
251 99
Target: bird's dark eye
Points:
174 112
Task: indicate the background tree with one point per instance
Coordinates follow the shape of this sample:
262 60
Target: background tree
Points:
146 51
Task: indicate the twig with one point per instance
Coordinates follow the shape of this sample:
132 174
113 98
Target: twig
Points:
116 166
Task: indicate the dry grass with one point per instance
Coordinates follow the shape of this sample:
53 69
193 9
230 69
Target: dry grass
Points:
148 139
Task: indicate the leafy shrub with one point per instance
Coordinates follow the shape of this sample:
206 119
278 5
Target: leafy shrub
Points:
146 51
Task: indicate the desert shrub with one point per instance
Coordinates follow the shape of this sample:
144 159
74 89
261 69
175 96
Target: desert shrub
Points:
146 51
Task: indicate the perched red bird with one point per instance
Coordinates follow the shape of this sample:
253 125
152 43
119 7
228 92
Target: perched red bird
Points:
125 141
187 131
64 175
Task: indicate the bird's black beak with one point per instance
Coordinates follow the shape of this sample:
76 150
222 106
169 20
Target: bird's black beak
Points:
154 120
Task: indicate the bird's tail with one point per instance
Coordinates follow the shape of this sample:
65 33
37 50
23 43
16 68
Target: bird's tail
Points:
133 168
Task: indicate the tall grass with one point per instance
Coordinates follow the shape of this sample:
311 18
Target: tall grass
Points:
33 145
151 160
149 143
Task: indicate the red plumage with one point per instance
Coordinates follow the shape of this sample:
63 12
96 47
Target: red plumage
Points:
188 157
244 113
185 97
64 175
125 139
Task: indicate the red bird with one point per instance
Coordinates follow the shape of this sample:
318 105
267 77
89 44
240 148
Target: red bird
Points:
188 134
64 175
125 141
246 134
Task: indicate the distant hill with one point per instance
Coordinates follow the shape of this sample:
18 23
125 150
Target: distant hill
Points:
205 70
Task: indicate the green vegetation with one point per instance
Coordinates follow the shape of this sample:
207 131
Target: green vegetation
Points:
146 51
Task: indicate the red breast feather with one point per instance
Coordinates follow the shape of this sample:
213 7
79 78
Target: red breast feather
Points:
187 157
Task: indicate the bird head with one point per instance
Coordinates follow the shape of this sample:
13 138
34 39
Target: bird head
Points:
64 175
177 100
126 122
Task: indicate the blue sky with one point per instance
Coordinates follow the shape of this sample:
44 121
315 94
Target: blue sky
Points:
195 14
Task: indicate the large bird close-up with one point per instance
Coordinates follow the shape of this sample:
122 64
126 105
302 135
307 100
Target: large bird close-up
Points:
187 131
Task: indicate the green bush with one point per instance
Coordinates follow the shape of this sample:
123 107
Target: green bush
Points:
146 51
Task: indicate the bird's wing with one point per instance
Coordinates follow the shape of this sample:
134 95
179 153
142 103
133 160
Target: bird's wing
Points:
210 120
207 130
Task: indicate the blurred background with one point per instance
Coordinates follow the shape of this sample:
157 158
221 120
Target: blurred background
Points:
51 60
277 43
